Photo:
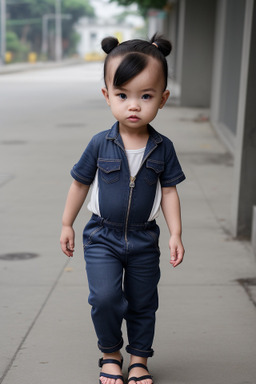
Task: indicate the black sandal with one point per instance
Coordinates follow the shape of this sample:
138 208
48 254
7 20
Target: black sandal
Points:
108 375
141 377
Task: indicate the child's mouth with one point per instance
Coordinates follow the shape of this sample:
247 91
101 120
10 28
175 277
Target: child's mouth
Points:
133 118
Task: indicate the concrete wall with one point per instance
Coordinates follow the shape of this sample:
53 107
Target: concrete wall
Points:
197 20
232 40
233 103
214 63
229 32
244 196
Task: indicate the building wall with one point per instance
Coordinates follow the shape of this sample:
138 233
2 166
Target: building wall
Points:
215 63
196 50
231 43
92 32
232 97
244 196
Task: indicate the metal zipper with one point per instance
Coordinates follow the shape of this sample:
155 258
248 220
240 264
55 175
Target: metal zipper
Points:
131 185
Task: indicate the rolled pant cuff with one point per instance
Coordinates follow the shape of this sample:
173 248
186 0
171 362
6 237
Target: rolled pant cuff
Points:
139 352
113 349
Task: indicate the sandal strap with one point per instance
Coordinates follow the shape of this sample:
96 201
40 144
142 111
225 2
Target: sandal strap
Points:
140 378
110 361
109 376
137 365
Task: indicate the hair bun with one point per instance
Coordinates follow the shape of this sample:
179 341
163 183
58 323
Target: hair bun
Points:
109 43
163 45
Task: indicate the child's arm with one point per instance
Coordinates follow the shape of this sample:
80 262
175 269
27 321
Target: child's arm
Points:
171 210
75 199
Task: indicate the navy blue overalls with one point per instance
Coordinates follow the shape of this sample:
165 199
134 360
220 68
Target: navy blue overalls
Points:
121 246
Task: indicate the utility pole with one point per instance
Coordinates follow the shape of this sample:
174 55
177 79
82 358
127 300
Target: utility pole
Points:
2 31
45 20
58 31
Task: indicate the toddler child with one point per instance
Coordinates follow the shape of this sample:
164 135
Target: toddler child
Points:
133 171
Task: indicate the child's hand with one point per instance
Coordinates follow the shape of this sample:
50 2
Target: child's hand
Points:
176 249
67 240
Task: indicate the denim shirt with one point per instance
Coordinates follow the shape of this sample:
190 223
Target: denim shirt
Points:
123 199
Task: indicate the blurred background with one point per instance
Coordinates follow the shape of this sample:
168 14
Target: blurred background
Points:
54 29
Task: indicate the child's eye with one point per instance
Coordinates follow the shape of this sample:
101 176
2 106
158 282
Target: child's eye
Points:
122 96
146 96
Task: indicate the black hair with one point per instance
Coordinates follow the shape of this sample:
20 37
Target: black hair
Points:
135 53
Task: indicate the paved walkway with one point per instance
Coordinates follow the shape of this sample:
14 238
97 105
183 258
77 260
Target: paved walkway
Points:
205 330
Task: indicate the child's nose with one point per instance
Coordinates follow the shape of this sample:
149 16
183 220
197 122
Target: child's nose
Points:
134 105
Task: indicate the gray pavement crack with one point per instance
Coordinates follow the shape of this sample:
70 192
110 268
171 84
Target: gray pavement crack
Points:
249 286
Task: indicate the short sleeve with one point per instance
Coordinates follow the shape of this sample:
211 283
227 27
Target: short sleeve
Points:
173 173
84 171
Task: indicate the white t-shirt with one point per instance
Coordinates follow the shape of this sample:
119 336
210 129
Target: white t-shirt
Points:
134 157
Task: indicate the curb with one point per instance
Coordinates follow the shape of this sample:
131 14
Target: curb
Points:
23 67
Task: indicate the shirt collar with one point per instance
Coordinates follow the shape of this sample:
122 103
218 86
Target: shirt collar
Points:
113 134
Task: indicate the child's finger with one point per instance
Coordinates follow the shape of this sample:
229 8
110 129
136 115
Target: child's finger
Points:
176 258
71 245
177 262
67 248
63 246
180 258
173 256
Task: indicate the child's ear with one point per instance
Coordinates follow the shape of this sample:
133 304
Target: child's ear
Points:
105 94
165 96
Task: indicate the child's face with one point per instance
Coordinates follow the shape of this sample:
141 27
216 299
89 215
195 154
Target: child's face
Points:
135 104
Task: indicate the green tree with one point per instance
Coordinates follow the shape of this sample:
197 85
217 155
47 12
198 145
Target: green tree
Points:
13 44
25 20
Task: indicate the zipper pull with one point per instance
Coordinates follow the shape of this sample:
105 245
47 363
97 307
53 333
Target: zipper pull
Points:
132 181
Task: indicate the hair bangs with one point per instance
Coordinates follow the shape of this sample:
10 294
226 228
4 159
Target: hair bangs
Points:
130 66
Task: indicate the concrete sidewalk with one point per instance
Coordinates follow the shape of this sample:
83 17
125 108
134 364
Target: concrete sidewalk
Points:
205 330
